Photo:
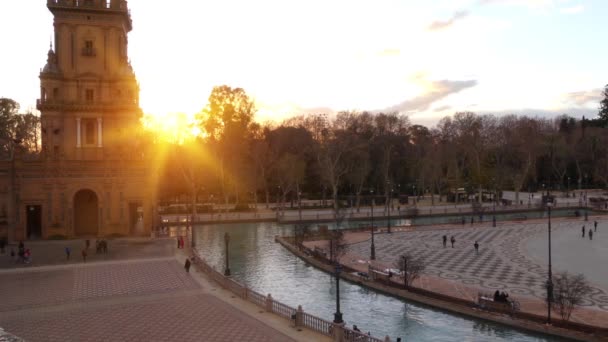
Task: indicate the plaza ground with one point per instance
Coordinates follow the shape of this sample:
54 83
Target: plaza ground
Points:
139 291
512 257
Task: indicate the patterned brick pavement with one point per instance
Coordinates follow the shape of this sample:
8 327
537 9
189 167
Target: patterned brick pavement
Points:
503 261
149 300
40 288
187 318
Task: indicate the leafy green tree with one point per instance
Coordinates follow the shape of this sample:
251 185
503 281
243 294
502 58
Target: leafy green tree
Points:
225 121
8 126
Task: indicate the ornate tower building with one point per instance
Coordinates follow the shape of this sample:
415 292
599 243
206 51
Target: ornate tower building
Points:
92 178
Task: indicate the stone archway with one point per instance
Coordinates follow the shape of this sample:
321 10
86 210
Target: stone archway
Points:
86 213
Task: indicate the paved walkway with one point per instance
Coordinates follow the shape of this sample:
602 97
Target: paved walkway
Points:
137 299
510 259
52 252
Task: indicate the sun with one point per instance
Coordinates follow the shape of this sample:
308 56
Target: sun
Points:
175 128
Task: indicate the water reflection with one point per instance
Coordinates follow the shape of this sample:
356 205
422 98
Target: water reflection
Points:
257 261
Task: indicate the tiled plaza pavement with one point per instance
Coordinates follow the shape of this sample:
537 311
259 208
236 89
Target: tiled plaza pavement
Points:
139 300
502 262
34 288
48 252
186 318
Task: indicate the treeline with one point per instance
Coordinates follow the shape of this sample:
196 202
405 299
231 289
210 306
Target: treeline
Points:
384 154
350 154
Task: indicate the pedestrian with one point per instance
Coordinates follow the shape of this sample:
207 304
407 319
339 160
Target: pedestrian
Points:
476 245
87 243
2 244
472 220
590 234
84 255
583 231
445 240
12 254
21 252
27 256
594 228
452 240
463 221
187 265
178 243
68 251
398 339
355 328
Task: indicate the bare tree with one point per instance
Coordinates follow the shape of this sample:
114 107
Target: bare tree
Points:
301 232
411 267
568 292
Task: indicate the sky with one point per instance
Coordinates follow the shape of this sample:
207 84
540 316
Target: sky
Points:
425 58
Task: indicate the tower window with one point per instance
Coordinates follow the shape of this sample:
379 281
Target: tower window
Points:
88 49
90 95
90 132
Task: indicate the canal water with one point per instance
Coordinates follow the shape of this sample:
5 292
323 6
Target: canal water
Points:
265 266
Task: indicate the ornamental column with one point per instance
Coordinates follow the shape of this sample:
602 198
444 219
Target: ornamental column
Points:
78 141
99 135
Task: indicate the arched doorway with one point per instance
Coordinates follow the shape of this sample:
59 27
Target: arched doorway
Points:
86 213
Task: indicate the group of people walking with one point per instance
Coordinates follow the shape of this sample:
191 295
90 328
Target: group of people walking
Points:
590 231
23 255
445 240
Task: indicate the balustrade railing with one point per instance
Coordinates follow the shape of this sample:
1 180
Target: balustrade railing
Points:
299 317
486 212
317 324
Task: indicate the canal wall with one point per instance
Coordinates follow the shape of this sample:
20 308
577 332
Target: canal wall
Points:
518 320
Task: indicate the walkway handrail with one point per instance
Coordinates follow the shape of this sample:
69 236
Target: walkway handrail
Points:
406 212
301 319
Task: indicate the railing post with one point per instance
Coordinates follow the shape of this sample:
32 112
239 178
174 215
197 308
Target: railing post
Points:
338 331
269 303
299 317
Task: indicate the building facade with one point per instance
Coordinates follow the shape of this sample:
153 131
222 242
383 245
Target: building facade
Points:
92 177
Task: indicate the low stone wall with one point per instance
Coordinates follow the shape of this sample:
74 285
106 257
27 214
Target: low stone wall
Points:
519 320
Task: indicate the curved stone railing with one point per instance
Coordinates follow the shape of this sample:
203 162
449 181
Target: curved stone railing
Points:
338 332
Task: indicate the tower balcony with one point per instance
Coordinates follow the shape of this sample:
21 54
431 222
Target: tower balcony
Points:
103 6
114 105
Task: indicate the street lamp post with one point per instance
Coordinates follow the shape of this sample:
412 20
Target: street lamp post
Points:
227 241
338 314
414 191
550 275
388 206
300 204
389 213
373 247
494 204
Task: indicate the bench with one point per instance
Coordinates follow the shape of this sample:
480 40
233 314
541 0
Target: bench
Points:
488 303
